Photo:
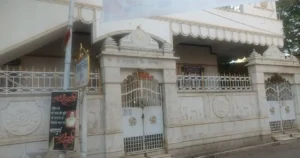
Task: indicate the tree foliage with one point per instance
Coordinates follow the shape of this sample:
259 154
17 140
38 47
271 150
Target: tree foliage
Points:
289 12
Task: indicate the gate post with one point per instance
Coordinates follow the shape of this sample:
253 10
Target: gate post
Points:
112 110
296 91
172 116
258 85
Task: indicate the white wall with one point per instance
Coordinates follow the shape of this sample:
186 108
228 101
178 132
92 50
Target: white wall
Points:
197 55
35 143
213 117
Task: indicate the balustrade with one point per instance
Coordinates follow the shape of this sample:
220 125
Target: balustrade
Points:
22 82
214 83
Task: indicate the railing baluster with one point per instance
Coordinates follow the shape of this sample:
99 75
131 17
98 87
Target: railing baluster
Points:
213 83
34 81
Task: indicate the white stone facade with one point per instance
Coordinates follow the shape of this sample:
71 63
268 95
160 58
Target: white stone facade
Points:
231 112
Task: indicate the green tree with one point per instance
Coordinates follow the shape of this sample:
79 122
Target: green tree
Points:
289 12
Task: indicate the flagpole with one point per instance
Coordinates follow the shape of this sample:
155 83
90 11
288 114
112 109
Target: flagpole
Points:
68 55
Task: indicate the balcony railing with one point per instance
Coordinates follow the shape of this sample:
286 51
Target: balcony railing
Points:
213 83
35 82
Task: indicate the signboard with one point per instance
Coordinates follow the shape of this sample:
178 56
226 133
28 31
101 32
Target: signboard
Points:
82 72
193 69
114 10
62 121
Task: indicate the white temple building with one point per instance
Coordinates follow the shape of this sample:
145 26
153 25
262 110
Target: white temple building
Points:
160 86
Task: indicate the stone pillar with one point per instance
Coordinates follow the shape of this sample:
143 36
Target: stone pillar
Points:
111 83
296 94
258 84
172 116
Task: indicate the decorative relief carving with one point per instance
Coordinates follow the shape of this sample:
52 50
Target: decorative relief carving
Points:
153 120
221 106
273 53
245 105
21 118
132 121
139 39
191 108
287 109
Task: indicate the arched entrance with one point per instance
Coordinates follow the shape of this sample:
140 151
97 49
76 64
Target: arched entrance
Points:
281 104
142 113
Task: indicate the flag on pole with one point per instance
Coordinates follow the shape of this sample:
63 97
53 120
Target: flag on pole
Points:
114 10
67 38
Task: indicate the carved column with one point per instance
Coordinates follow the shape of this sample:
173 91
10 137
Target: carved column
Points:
111 83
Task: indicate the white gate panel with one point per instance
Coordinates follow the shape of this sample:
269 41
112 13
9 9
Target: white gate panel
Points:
153 120
279 95
288 110
142 113
274 111
132 122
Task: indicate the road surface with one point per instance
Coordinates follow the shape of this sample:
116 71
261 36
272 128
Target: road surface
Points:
286 150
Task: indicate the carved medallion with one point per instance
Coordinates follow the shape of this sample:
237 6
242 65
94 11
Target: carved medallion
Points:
221 106
132 121
153 119
21 118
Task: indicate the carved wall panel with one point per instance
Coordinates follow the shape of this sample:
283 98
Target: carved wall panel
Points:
24 116
221 105
245 106
191 108
94 125
232 105
21 118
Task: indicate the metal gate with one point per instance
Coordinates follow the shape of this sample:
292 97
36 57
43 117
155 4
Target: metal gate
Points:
142 113
281 104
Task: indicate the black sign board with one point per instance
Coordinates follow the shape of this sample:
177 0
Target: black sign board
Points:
196 69
62 121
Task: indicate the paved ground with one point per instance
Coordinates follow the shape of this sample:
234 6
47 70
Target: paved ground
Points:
287 150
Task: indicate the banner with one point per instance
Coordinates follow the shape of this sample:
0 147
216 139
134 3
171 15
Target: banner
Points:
128 9
82 72
62 121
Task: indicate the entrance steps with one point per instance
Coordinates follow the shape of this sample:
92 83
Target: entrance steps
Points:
286 136
161 156
294 134
149 156
160 153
